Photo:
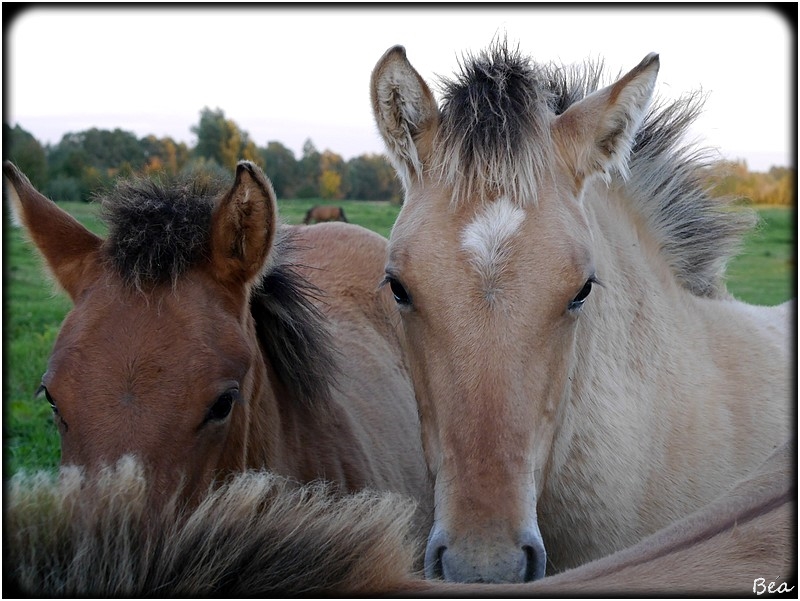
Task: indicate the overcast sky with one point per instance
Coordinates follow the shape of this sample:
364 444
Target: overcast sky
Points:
289 73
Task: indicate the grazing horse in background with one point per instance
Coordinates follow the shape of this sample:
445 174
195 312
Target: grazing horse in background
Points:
583 376
257 534
196 345
321 213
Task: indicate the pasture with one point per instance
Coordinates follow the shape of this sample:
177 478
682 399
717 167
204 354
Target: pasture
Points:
763 273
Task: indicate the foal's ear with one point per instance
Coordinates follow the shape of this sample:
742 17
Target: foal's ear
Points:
405 112
595 134
69 249
243 226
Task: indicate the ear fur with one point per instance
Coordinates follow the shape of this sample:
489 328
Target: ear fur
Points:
595 135
243 227
405 109
69 249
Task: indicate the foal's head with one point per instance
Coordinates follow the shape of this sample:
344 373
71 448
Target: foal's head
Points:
158 357
491 263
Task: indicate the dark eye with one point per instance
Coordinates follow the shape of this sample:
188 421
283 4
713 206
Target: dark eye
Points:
401 295
222 406
56 414
43 389
577 302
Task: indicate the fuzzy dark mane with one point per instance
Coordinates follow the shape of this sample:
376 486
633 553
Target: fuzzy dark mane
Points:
490 112
291 329
494 139
159 229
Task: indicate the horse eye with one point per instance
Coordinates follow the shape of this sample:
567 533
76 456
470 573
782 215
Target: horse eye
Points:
43 389
401 295
577 302
222 406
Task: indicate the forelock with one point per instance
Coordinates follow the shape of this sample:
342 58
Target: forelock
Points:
158 228
494 136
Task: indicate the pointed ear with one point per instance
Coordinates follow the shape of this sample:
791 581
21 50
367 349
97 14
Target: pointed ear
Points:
405 112
69 249
243 227
595 134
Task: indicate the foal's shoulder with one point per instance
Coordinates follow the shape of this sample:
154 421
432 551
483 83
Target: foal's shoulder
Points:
773 321
346 262
342 254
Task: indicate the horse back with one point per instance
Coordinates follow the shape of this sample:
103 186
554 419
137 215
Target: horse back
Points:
373 387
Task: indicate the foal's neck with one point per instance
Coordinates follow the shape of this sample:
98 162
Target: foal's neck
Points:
303 439
658 419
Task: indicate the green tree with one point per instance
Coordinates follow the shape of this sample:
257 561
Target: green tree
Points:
85 161
27 153
372 177
66 162
109 150
211 133
282 169
309 171
220 139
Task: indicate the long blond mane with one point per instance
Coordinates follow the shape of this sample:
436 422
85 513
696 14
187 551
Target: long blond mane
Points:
258 533
261 534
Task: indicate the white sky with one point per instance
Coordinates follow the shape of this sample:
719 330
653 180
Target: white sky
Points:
293 73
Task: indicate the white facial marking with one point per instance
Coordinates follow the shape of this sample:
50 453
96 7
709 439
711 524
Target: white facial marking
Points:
486 238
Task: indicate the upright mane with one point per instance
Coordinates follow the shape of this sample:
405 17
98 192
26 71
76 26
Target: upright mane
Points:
493 125
494 140
159 228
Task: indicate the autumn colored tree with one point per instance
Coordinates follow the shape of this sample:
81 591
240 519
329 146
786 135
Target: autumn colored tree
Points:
164 155
330 185
775 187
332 171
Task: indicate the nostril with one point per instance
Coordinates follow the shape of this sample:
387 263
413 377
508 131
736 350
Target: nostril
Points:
434 555
534 563
434 567
535 554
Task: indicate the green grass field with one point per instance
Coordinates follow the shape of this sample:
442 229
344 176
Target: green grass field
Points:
763 274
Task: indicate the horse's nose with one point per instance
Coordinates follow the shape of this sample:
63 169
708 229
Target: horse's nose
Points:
536 555
485 561
437 545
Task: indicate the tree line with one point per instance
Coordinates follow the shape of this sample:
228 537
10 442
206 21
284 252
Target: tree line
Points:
775 187
83 163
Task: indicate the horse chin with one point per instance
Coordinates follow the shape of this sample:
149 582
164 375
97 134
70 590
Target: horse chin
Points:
524 563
